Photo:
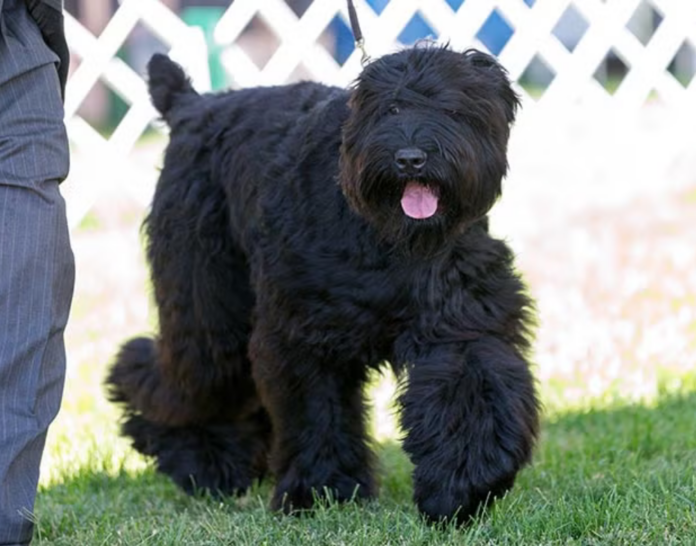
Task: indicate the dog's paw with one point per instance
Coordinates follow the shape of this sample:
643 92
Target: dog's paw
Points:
458 501
215 459
295 494
444 507
196 473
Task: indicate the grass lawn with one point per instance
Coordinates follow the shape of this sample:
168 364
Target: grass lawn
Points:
616 463
620 475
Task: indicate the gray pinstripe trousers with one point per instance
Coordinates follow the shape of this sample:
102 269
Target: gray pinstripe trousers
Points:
36 262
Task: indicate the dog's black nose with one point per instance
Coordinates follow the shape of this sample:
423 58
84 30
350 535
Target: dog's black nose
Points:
410 159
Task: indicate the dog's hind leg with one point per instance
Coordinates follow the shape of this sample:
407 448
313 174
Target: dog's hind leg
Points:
221 451
189 397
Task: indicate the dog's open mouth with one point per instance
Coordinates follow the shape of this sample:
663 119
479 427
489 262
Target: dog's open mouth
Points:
419 201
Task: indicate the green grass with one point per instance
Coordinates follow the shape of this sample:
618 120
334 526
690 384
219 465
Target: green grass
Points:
624 474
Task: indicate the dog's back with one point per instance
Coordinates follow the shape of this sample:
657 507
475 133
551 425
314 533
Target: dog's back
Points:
236 142
276 109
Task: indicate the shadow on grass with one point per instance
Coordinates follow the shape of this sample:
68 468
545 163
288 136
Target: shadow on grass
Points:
616 476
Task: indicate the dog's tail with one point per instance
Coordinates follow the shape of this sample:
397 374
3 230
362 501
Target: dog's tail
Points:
135 382
168 84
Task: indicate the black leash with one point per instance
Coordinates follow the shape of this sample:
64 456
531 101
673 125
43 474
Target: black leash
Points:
357 32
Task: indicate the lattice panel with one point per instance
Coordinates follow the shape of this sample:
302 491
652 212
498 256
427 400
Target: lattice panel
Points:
569 72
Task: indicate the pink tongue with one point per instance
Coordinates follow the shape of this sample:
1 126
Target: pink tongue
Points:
418 201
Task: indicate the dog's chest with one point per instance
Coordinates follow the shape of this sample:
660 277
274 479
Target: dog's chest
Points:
352 304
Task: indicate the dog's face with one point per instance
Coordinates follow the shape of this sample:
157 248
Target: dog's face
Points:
425 147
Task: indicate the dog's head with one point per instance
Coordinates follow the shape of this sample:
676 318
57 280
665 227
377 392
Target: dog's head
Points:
425 147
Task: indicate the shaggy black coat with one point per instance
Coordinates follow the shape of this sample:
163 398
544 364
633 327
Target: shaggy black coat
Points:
284 269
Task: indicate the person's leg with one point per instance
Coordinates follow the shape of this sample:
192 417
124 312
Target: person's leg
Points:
35 292
36 274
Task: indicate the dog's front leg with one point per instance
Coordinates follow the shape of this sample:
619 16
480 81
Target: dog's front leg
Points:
318 413
471 415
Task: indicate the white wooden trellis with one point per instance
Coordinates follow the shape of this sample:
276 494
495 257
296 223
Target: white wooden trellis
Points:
533 38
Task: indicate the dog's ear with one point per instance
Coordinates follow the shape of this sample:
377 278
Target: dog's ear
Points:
495 73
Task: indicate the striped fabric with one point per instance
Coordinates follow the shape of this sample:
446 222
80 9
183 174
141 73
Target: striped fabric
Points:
56 4
36 262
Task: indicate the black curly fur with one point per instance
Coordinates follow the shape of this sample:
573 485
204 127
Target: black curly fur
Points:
284 270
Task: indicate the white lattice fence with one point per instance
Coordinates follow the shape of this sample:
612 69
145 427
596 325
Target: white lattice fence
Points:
573 73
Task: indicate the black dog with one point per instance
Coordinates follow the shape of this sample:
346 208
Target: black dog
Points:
301 235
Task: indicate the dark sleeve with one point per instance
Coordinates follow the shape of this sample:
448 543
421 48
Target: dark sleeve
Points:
48 14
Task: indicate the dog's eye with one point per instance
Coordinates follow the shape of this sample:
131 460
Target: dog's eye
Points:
393 109
458 116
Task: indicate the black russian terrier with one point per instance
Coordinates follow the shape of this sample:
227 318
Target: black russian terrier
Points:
302 235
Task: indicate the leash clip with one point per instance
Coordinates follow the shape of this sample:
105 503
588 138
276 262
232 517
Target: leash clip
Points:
357 33
365 58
